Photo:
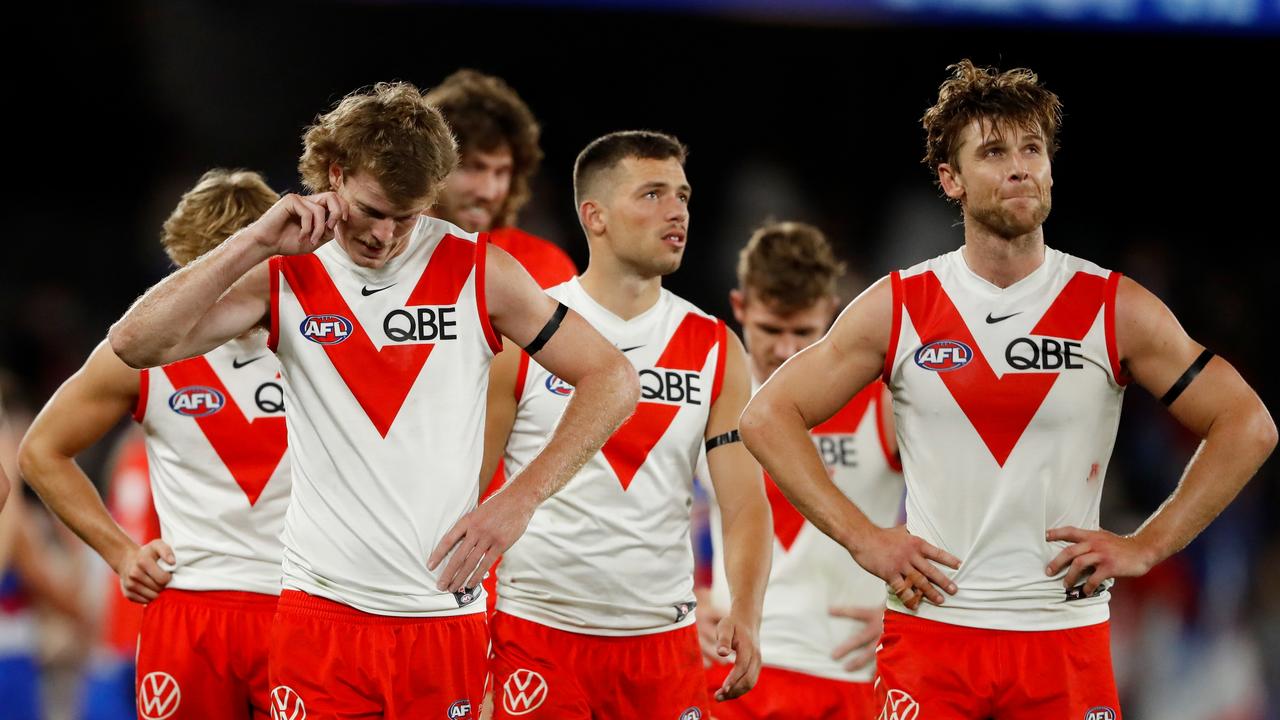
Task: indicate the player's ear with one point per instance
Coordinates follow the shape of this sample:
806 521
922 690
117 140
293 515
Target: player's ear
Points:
738 301
952 183
592 215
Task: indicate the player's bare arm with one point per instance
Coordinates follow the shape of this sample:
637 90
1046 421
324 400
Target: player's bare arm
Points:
605 393
87 406
746 522
1214 402
225 292
810 388
501 413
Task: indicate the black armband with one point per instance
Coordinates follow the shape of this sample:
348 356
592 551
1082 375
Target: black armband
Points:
547 330
723 439
1187 377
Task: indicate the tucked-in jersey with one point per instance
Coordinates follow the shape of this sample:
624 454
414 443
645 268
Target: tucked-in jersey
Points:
610 553
545 261
811 573
386 372
1007 403
219 476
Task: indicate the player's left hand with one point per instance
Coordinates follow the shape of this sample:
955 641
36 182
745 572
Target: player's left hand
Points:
479 538
864 640
1095 556
738 639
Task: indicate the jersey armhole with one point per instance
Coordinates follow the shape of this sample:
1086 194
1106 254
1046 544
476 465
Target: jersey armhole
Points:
895 328
273 271
521 372
482 305
1109 312
882 432
144 384
721 351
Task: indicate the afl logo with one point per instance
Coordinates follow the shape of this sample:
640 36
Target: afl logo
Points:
558 386
196 401
460 710
692 713
944 355
325 329
1100 713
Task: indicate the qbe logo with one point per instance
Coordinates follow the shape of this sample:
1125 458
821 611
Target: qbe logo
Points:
326 329
899 706
196 401
1100 713
692 713
287 704
523 692
460 710
558 386
944 355
158 696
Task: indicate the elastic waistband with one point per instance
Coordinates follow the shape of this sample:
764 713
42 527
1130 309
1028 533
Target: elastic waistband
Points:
231 599
296 602
901 620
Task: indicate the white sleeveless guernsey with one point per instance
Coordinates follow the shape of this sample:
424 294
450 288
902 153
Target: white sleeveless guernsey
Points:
386 373
215 436
811 573
1007 403
610 554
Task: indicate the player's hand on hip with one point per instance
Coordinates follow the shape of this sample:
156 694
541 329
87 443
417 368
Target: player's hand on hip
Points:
141 575
479 538
707 620
1095 556
859 648
296 224
738 639
906 563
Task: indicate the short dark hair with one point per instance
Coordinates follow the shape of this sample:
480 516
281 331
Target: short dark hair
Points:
604 153
486 115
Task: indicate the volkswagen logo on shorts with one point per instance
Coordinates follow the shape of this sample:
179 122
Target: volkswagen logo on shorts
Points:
692 713
558 386
523 692
286 704
158 696
196 401
460 710
1100 713
899 706
944 355
326 329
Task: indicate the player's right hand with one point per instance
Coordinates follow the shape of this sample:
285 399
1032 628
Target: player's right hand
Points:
906 564
296 225
141 576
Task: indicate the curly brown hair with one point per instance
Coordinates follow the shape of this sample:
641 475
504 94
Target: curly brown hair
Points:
220 204
390 131
789 266
1011 98
487 115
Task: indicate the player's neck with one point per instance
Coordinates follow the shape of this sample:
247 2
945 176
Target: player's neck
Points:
999 260
622 293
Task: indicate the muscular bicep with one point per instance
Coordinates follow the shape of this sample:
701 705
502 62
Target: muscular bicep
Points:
823 377
86 407
1155 351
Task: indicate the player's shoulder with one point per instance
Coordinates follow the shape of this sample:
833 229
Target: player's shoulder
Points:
682 307
1071 265
934 264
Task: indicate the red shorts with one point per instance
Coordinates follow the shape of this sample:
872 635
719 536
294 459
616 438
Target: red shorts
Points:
785 694
203 654
329 660
540 673
927 669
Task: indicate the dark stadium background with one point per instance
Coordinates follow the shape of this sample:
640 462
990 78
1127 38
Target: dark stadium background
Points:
1167 173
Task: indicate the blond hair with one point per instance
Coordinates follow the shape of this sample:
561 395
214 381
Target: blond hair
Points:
220 204
389 131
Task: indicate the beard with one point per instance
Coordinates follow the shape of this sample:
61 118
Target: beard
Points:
1010 224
